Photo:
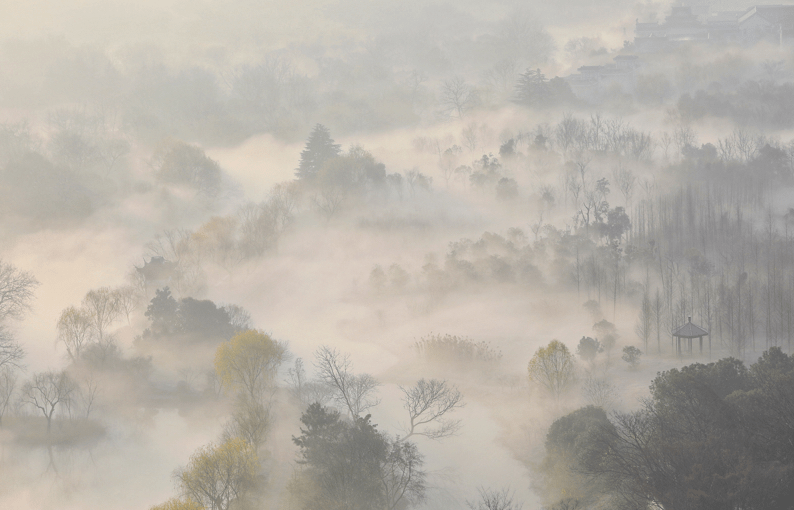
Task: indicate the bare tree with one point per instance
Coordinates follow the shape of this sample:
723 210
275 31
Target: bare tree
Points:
684 136
283 202
599 392
665 141
329 200
258 229
11 353
625 181
574 186
495 500
417 180
8 383
471 136
46 390
16 291
75 330
458 97
250 421
745 144
126 300
402 478
305 391
501 78
429 402
644 326
88 392
567 132
352 392
111 151
103 308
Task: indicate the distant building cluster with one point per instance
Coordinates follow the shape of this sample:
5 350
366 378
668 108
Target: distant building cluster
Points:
690 22
694 22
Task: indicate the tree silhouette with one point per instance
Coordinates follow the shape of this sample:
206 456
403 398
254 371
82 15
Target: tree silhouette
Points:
319 148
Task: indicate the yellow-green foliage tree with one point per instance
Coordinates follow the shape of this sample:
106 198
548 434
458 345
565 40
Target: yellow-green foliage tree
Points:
553 368
178 504
249 362
217 476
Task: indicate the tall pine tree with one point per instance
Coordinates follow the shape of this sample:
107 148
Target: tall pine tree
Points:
532 89
319 148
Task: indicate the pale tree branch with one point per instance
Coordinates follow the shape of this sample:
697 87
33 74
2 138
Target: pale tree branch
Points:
429 402
353 392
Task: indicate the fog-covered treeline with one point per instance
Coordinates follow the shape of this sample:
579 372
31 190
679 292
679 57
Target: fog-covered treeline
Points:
355 255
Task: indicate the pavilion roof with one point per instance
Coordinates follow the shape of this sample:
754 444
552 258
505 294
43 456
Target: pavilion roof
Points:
690 330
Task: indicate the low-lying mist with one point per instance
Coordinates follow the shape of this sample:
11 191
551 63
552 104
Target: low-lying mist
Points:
373 256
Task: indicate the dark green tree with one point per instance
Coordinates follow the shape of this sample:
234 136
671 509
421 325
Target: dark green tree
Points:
588 348
188 317
532 89
709 437
204 319
162 312
320 147
352 465
569 441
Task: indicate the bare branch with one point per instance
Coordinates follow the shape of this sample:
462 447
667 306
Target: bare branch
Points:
46 390
353 392
428 402
495 500
16 291
10 351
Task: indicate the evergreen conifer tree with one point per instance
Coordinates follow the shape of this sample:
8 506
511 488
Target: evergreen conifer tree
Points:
319 148
532 89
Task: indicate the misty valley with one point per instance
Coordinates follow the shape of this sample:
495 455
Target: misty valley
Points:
360 255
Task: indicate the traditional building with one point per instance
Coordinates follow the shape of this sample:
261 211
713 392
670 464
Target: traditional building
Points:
773 23
688 24
689 332
157 273
593 81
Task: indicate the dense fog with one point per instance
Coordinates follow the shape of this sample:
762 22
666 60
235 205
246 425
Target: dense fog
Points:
376 255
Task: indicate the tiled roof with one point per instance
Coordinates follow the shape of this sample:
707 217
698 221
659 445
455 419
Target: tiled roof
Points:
775 14
689 330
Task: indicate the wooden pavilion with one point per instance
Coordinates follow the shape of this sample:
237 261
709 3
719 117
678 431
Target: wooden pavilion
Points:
689 331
